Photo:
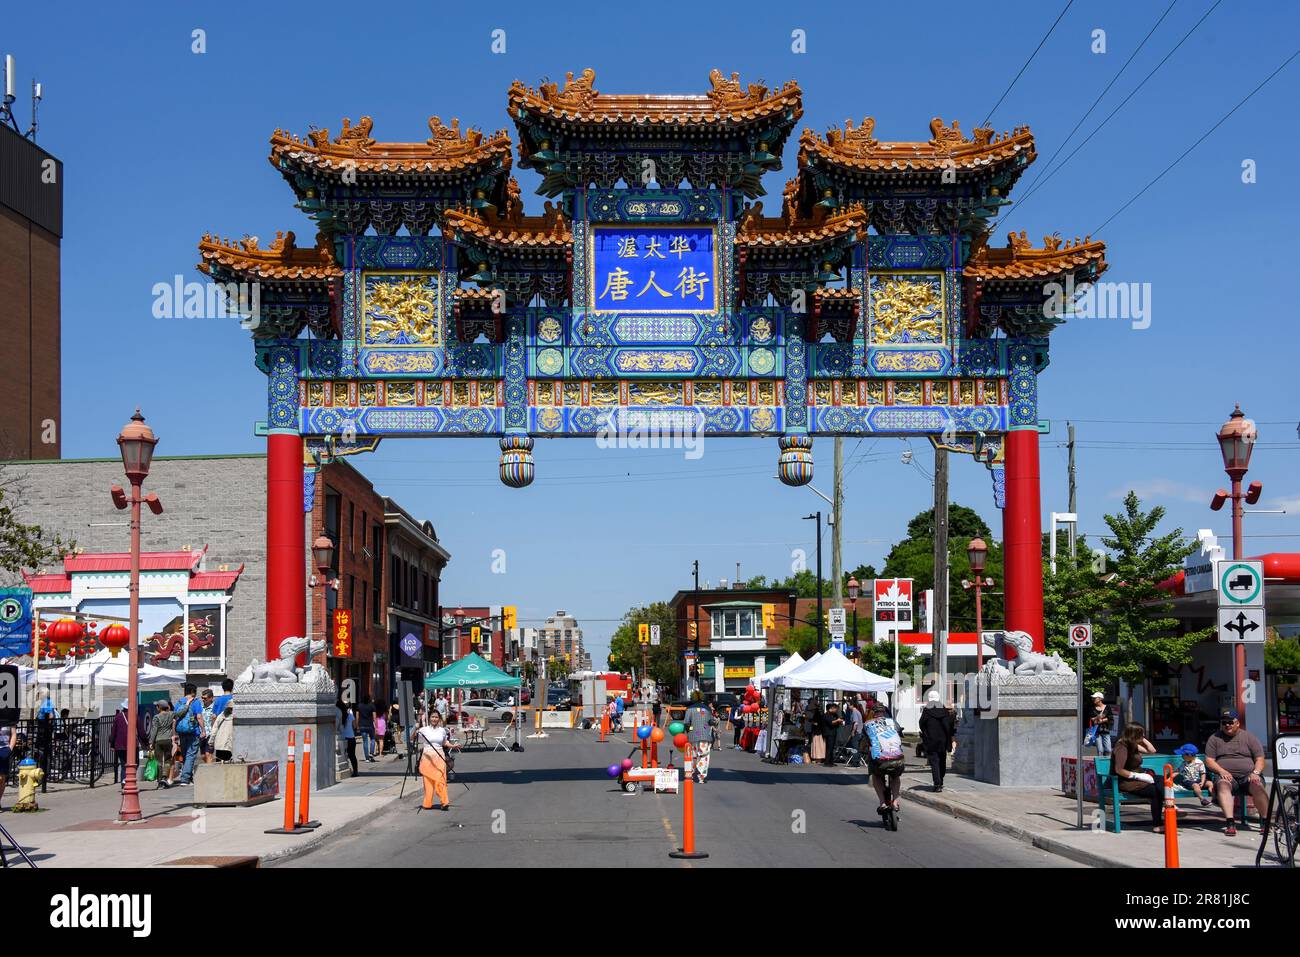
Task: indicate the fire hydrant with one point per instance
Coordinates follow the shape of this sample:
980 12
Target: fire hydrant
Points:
30 777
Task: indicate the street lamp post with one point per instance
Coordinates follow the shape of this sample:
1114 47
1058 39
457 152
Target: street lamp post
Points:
137 442
976 553
818 519
1237 440
854 587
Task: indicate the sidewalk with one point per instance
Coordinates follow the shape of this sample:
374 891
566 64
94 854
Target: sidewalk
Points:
76 826
1047 818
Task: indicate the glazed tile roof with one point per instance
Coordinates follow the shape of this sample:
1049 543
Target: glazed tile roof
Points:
947 147
447 150
281 260
183 560
726 103
787 232
1018 260
512 229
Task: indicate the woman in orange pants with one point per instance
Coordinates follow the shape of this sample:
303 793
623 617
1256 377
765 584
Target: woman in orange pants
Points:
433 763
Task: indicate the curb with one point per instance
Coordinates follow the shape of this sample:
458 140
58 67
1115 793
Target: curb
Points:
320 835
1024 835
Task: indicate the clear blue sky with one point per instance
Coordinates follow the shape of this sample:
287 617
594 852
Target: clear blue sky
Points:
161 145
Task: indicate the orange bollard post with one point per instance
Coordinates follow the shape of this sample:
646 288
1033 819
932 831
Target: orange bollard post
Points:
1171 820
604 726
654 754
290 771
304 808
644 753
688 851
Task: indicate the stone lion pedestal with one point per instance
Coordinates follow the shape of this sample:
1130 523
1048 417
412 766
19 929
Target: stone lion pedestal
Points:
265 713
1028 724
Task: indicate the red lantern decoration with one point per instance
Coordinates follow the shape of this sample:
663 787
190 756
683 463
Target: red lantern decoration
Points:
115 637
64 634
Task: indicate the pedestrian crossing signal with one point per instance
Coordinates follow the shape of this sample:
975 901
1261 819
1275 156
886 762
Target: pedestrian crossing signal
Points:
769 617
643 633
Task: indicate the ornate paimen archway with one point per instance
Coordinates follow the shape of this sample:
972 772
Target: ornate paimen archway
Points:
652 293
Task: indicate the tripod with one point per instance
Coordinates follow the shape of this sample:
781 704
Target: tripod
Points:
13 846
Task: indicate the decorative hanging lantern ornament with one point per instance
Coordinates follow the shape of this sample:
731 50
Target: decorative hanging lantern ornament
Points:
115 637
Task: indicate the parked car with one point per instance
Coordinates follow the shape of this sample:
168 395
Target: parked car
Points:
720 701
488 709
559 699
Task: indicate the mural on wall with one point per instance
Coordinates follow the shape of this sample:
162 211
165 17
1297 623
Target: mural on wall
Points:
165 645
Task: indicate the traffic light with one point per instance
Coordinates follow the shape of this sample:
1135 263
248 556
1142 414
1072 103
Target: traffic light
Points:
643 633
508 617
695 631
769 617
474 633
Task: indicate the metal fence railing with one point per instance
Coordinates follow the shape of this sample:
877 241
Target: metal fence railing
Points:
68 750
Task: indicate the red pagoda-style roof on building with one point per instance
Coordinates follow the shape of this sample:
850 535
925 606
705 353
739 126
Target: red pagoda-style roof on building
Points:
447 150
1020 261
281 260
57 583
727 103
947 148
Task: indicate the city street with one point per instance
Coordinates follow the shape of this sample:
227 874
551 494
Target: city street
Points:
554 806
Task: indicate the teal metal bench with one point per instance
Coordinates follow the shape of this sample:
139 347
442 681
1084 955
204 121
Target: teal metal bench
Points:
1154 764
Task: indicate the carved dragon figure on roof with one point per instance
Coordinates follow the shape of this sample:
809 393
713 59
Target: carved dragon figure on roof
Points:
850 140
729 92
577 92
951 138
445 140
355 136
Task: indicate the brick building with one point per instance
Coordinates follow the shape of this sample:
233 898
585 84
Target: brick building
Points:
205 502
347 510
31 229
415 562
728 623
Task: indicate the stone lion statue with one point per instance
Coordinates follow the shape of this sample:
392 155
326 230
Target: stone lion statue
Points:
1027 661
282 670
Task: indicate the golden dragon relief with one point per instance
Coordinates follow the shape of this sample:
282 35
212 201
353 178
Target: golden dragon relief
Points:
905 310
403 312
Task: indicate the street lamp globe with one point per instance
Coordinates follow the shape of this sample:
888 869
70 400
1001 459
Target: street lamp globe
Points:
322 553
459 615
137 442
976 552
854 589
1236 442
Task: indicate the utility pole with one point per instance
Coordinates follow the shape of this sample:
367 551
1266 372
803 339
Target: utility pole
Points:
837 507
940 612
1073 506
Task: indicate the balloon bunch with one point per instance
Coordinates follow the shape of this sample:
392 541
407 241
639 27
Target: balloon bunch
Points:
750 702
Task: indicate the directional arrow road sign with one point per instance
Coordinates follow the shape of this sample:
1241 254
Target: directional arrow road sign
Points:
1241 625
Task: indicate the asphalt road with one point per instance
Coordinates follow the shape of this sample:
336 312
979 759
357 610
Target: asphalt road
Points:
554 805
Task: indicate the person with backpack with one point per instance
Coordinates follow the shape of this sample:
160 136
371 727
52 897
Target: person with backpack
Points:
161 738
188 711
737 719
885 758
700 722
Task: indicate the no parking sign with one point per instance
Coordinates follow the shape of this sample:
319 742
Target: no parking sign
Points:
1081 636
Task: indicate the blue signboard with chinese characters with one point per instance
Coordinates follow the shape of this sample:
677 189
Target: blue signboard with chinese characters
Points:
15 621
654 269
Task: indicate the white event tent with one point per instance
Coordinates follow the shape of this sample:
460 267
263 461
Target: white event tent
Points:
831 671
103 670
796 660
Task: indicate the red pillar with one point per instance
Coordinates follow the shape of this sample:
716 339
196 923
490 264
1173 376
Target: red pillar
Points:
286 548
1022 537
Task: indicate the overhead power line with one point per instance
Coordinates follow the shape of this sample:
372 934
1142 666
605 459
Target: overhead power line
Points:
1014 79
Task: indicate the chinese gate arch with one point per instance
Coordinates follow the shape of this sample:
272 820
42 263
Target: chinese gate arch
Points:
652 292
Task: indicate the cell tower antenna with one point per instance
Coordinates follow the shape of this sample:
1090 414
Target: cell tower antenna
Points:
36 101
11 84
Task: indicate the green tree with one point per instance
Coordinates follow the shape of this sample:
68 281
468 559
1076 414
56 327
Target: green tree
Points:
22 546
1282 654
1134 633
1074 595
878 658
625 645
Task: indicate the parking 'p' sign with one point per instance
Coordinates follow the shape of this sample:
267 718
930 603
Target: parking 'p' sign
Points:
1081 636
8 695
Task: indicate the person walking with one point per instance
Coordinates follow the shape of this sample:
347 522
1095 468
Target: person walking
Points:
435 741
938 736
207 718
619 707
348 732
381 731
700 723
395 723
366 727
856 722
117 740
162 737
186 743
737 719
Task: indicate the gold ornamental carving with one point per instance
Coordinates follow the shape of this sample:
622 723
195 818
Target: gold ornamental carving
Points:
906 310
